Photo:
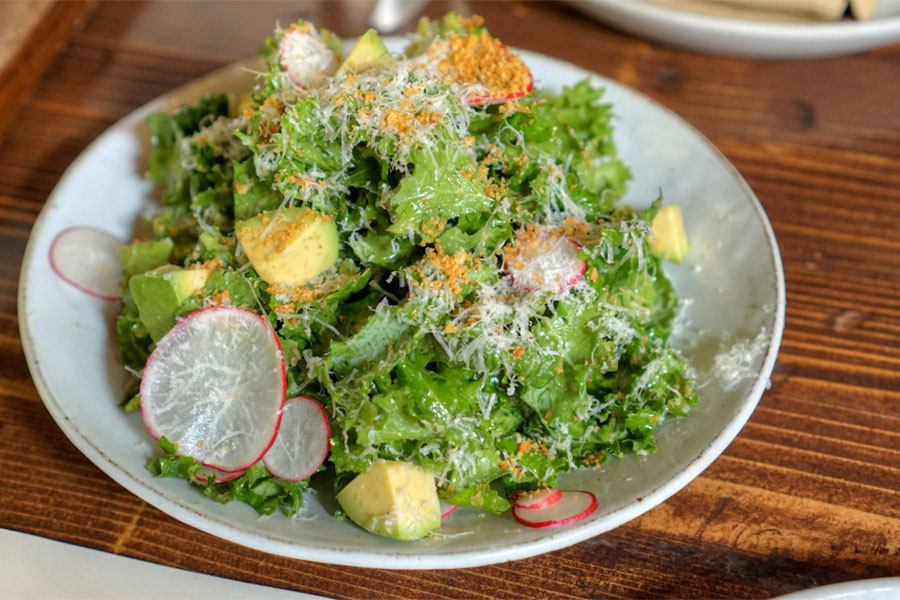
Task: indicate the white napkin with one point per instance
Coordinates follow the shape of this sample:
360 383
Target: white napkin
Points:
37 568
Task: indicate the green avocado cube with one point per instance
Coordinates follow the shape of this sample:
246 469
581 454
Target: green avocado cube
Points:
671 242
368 52
160 292
393 499
290 246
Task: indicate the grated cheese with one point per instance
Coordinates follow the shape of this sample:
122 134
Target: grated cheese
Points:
736 361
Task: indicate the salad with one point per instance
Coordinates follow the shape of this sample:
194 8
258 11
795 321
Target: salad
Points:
438 252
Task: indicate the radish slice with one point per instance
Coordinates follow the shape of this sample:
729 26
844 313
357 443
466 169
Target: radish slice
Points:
204 473
538 498
446 509
545 263
493 99
305 56
574 506
215 386
302 442
86 257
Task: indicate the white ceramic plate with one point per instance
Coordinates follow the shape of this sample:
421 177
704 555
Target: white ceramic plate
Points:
734 278
885 588
720 35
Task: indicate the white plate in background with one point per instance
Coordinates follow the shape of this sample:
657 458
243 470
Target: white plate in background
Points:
720 35
885 588
733 277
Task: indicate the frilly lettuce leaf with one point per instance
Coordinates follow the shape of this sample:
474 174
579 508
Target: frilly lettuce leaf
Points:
257 487
444 184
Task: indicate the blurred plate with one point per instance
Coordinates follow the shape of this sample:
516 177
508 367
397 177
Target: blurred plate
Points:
720 35
733 278
885 588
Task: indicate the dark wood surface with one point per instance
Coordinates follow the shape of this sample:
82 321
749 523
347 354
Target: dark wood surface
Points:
808 493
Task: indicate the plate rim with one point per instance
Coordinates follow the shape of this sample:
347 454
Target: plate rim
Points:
857 589
386 559
804 39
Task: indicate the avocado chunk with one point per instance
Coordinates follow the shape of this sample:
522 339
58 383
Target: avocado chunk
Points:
290 246
671 240
160 292
368 52
393 499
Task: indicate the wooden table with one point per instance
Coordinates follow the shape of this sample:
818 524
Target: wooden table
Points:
808 493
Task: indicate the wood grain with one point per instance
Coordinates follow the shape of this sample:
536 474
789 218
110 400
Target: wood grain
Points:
33 33
20 19
808 493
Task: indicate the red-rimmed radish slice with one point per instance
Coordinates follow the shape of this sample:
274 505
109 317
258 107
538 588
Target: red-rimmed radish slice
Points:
545 263
215 386
496 98
305 56
86 257
204 473
572 507
446 509
303 440
481 68
538 498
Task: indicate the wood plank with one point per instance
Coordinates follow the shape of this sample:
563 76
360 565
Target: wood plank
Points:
20 19
32 48
809 491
